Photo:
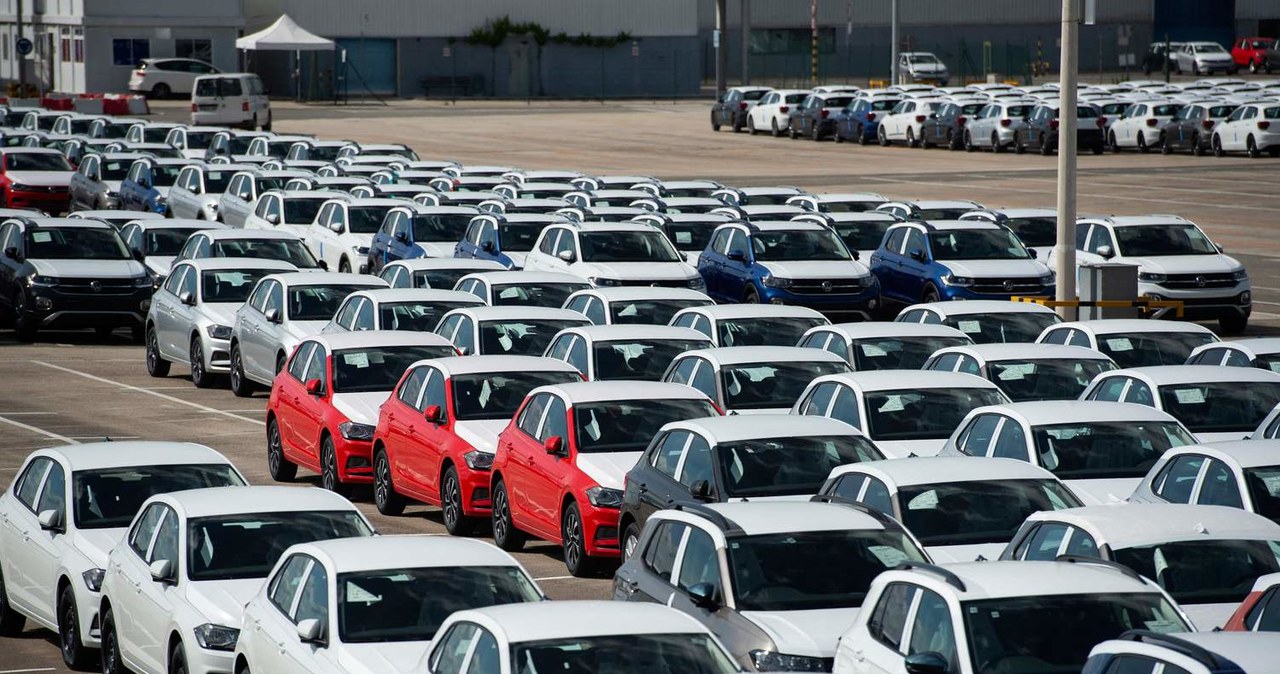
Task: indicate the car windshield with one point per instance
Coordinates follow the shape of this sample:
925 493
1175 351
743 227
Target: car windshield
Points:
164 175
272 183
154 134
229 547
114 130
642 359
521 337
941 213
976 244
378 369
161 241
365 219
301 210
1209 49
318 303
1204 572
923 59
1106 449
758 386
33 161
417 316
924 414
230 285
1153 348
75 243
899 353
199 140
810 570
650 312
440 227
441 278
240 144
977 511
1264 490
215 182
292 251
1161 240
1045 379
493 396
109 498
410 604
551 295
690 236
789 465
519 237
686 653
323 152
1034 231
1268 361
1053 634
627 246
777 331
1004 327
1219 407
115 169
798 244
629 425
885 104
279 148
862 235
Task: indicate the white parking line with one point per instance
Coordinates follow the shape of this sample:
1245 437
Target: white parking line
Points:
537 579
20 671
138 389
48 434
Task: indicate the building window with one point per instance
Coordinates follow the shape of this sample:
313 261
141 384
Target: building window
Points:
4 46
79 45
65 51
129 52
201 50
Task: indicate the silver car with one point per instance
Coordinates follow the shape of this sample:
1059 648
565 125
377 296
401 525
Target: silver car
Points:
236 202
195 193
1205 57
997 125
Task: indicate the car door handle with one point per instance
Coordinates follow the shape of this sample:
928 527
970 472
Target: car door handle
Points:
643 488
857 655
630 586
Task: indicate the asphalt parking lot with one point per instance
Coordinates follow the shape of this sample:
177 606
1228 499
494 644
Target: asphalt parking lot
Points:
75 387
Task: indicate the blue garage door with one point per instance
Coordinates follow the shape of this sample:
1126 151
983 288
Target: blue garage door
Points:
1193 20
372 65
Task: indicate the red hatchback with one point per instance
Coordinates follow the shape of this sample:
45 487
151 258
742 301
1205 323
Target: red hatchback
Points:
32 177
325 401
561 461
437 433
1260 610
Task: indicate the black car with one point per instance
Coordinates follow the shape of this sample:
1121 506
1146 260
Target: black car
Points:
816 116
731 109
946 127
1191 128
1041 132
1153 61
65 273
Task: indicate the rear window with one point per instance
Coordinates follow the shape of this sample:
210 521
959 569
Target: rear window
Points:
220 87
1223 110
754 95
1018 111
1271 113
837 101
1085 112
796 98
1166 110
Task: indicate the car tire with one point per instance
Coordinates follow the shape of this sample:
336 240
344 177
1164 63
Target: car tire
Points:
11 622
177 660
911 138
456 522
930 294
1196 149
280 360
1166 146
996 147
344 266
882 137
329 477
1251 147
1234 324
862 135
74 653
1018 147
791 131
25 329
505 533
751 296
385 498
816 134
112 662
751 125
161 90
199 375
1217 146
924 140
1142 143
1253 67
1111 140
773 128
968 142
240 384
279 468
1045 148
573 536
156 365
630 540
715 122
1195 68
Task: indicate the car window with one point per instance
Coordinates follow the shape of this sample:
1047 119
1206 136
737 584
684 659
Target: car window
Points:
1139 393
660 554
844 407
451 654
1219 487
595 311
144 529
27 487
889 621
1110 389
979 434
412 386
700 564
1012 442
301 358
877 496
848 486
433 391
53 496
667 453
1176 481
165 547
284 587
697 463
531 416
932 630
313 600
818 401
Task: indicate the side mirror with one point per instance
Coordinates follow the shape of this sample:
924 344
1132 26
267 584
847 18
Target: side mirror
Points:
856 254
926 663
554 444
464 351
187 298
402 237
736 256
700 490
51 520
487 246
273 314
1032 252
311 631
273 218
336 227
162 571
566 255
434 414
323 265
314 387
12 253
703 595
138 254
1220 248
1106 252
917 255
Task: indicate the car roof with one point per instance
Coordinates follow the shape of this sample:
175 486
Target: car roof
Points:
1108 326
403 552
499 364
375 201
1250 651
600 391
919 470
259 499
1138 524
320 278
985 307
740 427
237 263
608 226
1255 346
881 329
957 224
380 295
241 234
783 225
1050 412
1247 453
29 150
782 517
519 312
357 339
1009 579
515 277
1194 374
897 380
541 621
640 293
90 223
1025 212
721 312
111 454
147 224
636 332
421 263
1026 351
736 355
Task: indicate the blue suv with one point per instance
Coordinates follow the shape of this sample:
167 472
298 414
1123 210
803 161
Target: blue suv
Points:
503 238
956 260
413 231
860 120
146 186
800 263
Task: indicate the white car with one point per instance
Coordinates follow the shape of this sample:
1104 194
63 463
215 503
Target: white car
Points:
929 209
1204 57
1251 129
1133 342
1193 653
231 99
1269 429
772 112
263 244
373 604
282 310
522 288
753 379
838 202
861 231
175 588
192 313
417 309
1215 403
905 412
1239 474
750 324
1036 228
196 193
1141 125
1026 372
342 233
1260 352
986 321
438 273
906 120
877 345
398 150
241 193
64 512
610 255
290 211
1099 449
997 125
158 241
1166 543
921 66
634 305
506 330
162 78
192 141
632 352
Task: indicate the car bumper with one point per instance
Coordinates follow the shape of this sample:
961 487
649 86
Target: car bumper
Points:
217 354
49 201
600 530
960 293
1217 67
862 303
205 661
1266 139
1200 304
355 460
87 602
475 489
54 309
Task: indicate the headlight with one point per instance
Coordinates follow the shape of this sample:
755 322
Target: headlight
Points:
19 186
1047 279
360 250
603 497
217 637
1240 275
768 661
775 282
219 331
213 207
93 579
44 281
353 431
1150 277
111 194
601 282
478 460
697 283
959 281
143 281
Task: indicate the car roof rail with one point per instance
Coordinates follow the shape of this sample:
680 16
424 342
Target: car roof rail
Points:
951 579
1184 647
863 508
714 516
1105 563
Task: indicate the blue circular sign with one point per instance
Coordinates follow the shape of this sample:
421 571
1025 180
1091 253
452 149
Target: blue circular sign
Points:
24 46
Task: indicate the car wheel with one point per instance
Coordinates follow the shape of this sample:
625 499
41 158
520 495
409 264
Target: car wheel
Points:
751 296
1166 146
911 138
161 90
199 376
930 294
773 128
344 266
995 143
924 140
1196 149
1045 148
575 545
455 522
715 122
385 497
1253 67
968 142
156 366
1195 68
177 660
862 135
630 540
751 126
11 622
240 384
112 662
1217 146
1099 148
278 467
792 132
1115 146
1234 324
505 533
329 468
816 135
1142 143
1251 148
74 654
1018 147
267 125
883 137
280 358
23 325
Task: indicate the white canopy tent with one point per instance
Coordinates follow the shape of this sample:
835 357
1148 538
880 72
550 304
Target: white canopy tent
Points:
286 35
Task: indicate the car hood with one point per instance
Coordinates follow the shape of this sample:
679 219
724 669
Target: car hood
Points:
517 259
361 408
948 554
482 435
41 178
901 449
691 256
764 410
810 633
823 269
88 268
607 468
435 249
995 268
382 657
222 601
303 329
1186 264
96 544
926 68
638 270
351 239
1224 57
1109 491
1206 617
1210 438
159 264
111 185
222 313
193 154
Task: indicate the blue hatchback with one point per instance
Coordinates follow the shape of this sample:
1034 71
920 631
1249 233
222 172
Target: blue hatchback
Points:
413 231
505 239
146 187
956 260
859 120
799 263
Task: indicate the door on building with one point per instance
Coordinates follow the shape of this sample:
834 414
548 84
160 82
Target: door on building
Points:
371 66
520 77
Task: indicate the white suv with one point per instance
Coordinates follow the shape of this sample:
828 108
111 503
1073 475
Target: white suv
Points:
613 254
164 77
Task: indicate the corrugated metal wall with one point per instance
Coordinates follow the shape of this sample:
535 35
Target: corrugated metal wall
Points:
1257 9
782 13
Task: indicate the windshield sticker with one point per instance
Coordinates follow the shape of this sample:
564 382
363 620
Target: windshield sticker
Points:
359 595
892 403
486 392
873 351
1017 371
356 359
1163 626
1189 396
1119 344
888 556
970 327
41 237
925 501
684 237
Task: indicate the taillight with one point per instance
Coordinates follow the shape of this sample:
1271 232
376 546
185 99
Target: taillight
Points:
244 106
961 120
193 107
871 116
1151 122
920 118
1208 123
1053 124
826 113
1264 125
785 108
742 106
1006 122
1102 122
139 73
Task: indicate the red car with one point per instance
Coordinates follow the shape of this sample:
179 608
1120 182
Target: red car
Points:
437 434
1257 53
1260 610
325 402
34 177
561 461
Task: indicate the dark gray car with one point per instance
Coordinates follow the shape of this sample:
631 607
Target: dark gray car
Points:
96 183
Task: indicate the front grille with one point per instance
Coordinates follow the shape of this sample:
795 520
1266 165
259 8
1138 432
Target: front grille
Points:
1198 281
677 283
44 189
827 287
88 286
1013 286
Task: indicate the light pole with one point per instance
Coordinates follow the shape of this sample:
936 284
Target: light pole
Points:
1065 253
893 42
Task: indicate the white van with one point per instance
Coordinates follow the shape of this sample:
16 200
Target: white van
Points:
230 99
